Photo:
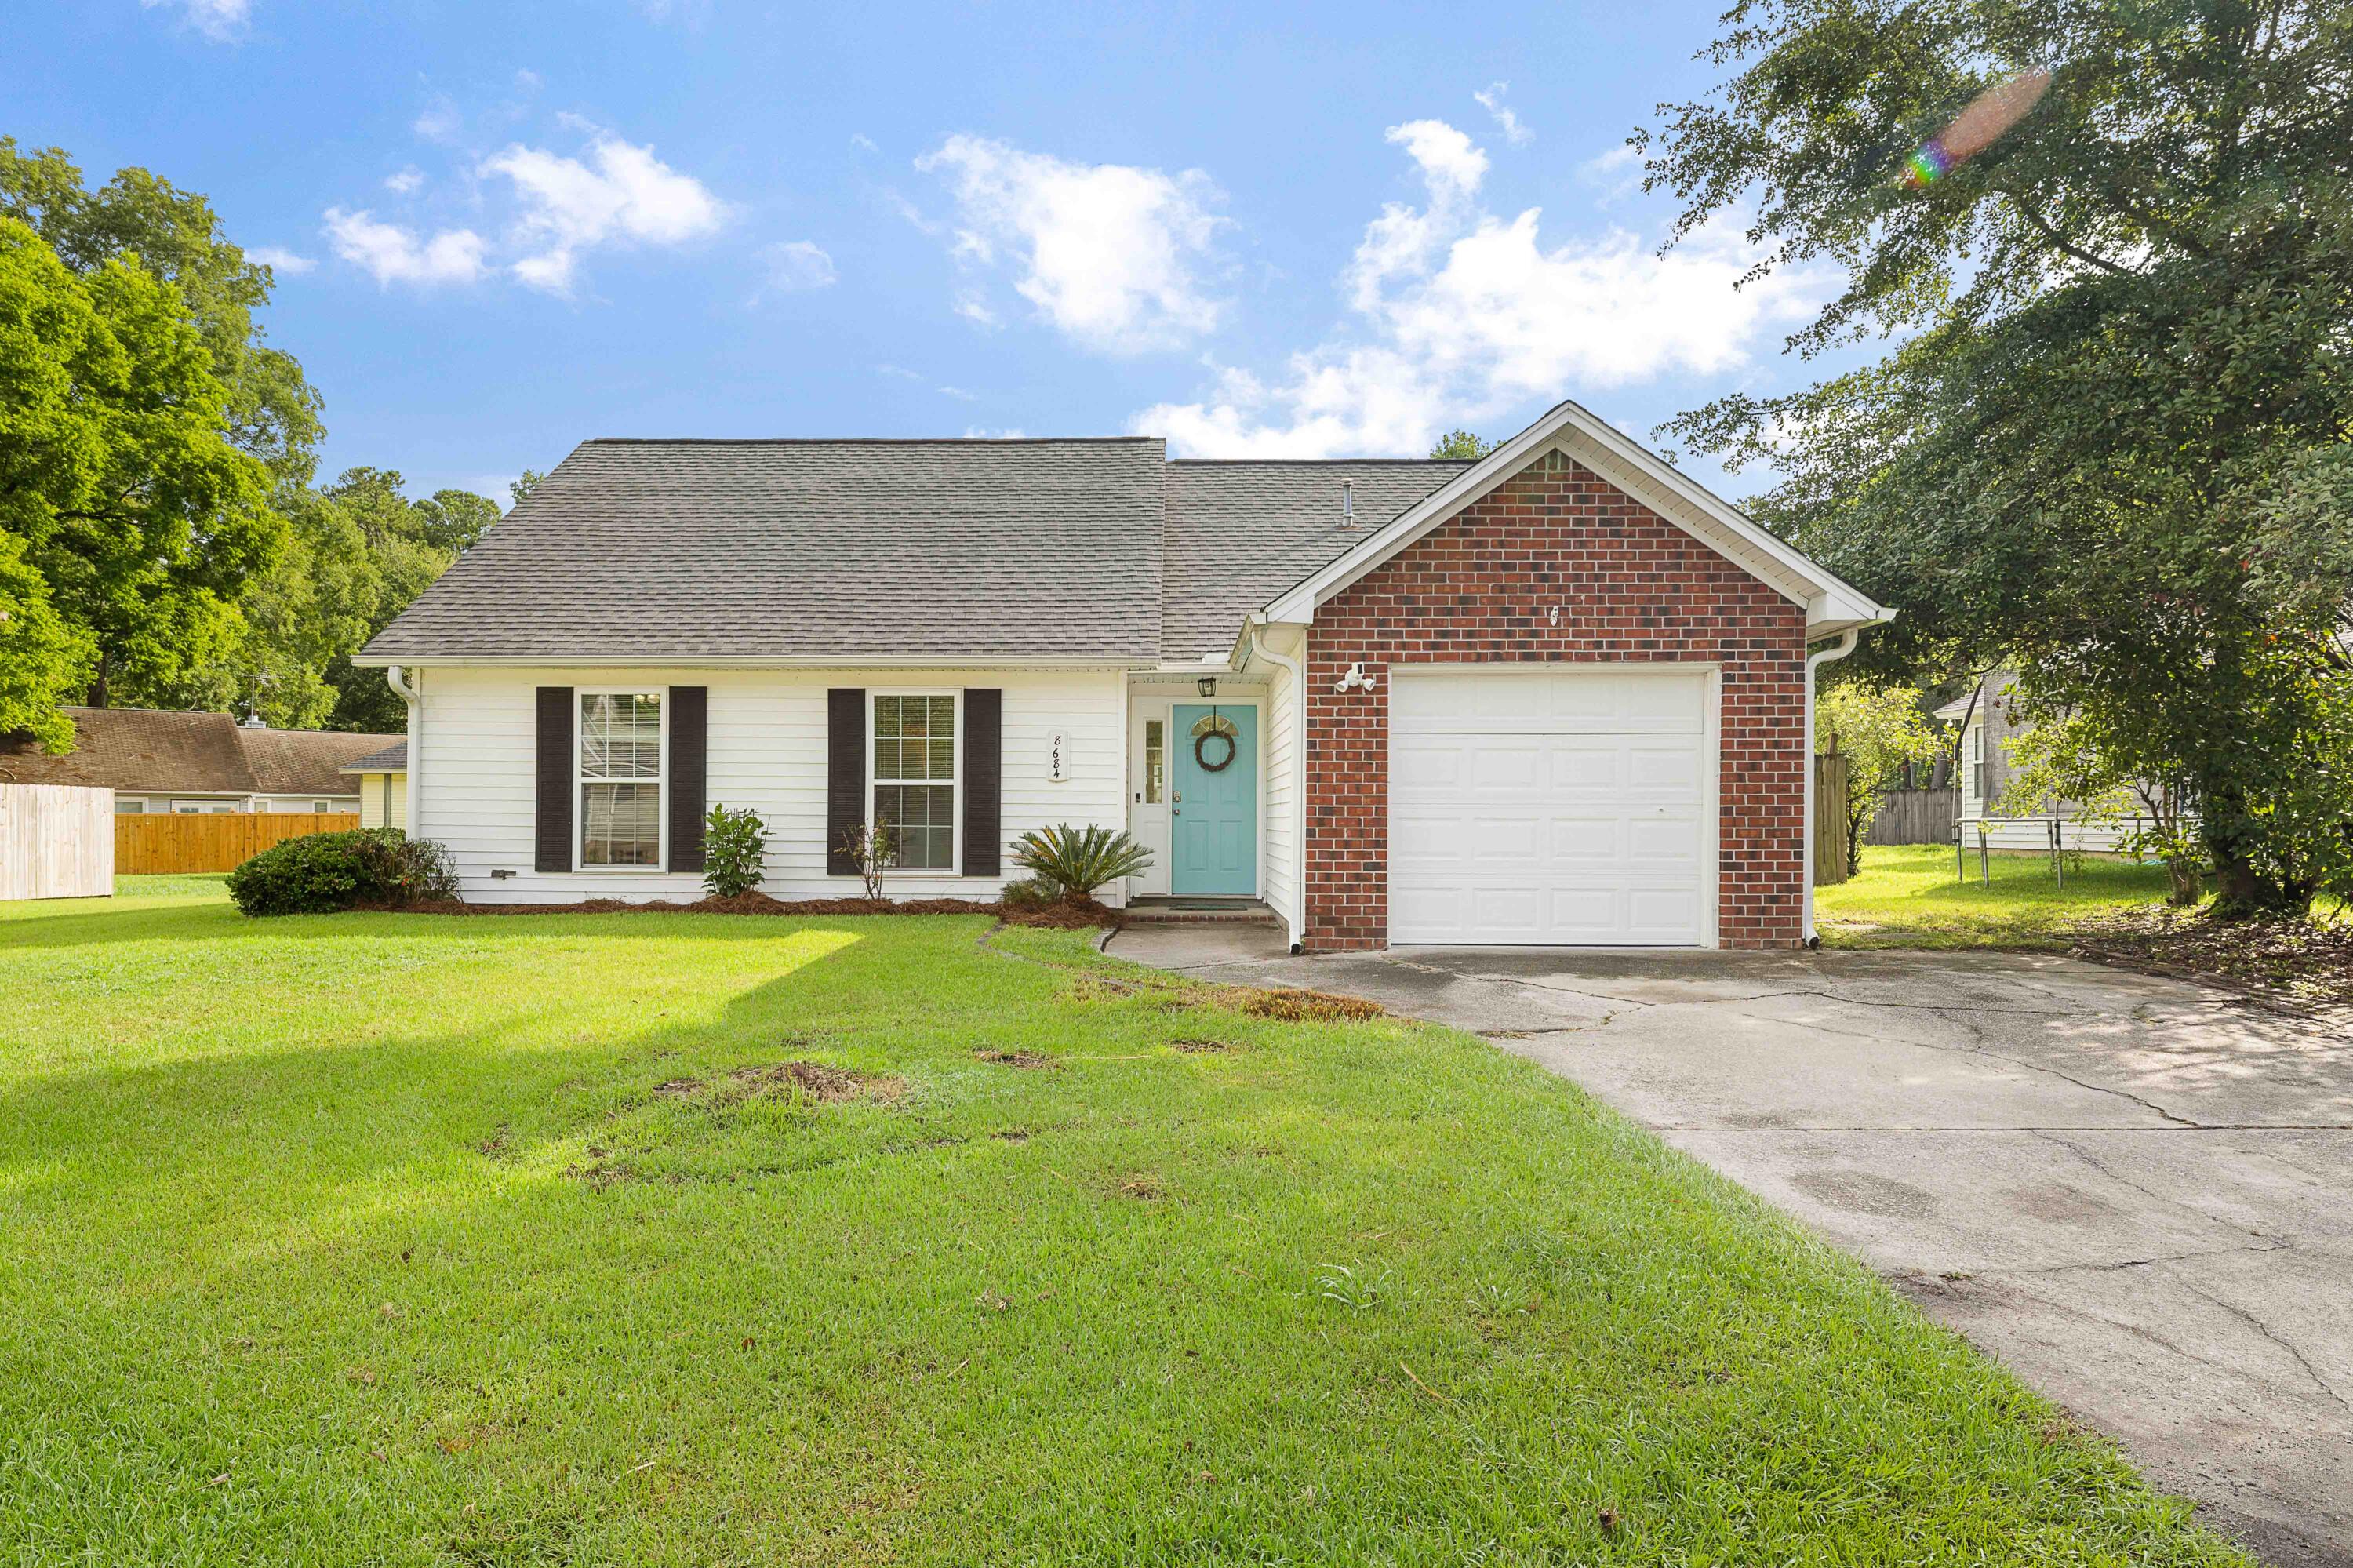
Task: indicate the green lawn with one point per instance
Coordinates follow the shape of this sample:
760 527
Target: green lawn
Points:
396 1239
1909 896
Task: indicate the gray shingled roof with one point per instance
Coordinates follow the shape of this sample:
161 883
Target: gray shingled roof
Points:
1241 532
393 758
196 753
1040 550
900 550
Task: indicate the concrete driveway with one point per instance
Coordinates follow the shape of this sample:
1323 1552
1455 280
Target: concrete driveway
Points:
2136 1192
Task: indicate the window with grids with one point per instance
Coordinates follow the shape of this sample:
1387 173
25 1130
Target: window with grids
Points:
621 778
915 778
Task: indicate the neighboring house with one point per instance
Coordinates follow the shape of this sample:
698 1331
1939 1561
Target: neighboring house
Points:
1990 811
383 780
159 761
1557 695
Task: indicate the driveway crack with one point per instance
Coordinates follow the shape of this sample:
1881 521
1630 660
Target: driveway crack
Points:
2265 1330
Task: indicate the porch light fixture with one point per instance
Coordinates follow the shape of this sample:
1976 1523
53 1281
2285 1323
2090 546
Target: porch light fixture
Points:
1355 678
1206 685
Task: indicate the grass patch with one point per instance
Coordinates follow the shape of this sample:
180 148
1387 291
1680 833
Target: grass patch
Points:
405 1240
1908 896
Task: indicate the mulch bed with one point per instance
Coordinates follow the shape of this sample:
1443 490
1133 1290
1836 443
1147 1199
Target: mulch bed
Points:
2306 961
1072 914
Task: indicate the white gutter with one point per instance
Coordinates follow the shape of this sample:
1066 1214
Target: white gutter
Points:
1835 652
1294 919
398 681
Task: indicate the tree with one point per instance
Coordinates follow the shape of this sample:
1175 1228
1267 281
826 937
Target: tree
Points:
269 409
453 520
41 656
2113 428
522 485
117 481
1878 729
1462 444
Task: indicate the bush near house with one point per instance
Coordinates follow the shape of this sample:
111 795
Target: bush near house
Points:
326 872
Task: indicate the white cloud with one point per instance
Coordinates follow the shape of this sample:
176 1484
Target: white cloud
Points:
959 394
395 255
982 433
864 143
797 264
438 123
279 260
898 373
218 20
1106 253
570 206
1461 314
1616 174
1490 99
527 80
406 183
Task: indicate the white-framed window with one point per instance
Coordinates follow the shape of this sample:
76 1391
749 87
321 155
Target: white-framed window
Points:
620 778
317 807
913 784
123 808
1156 760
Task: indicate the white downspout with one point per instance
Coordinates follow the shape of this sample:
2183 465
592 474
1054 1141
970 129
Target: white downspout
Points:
1835 652
395 678
1294 919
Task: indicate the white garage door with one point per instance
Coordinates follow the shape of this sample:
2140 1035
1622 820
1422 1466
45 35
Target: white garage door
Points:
1557 806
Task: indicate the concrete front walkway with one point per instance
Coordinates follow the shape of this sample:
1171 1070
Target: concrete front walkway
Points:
2136 1192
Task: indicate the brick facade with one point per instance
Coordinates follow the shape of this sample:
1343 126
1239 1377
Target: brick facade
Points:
1630 587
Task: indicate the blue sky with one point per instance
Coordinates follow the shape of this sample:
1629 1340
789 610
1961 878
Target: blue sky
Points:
1322 230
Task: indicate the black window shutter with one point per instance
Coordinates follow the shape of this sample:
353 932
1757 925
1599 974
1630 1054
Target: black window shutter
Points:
553 825
690 773
983 779
845 776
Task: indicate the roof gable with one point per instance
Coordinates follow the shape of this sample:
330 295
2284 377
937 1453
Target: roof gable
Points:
1831 604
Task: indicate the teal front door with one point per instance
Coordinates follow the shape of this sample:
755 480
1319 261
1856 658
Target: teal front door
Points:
1213 819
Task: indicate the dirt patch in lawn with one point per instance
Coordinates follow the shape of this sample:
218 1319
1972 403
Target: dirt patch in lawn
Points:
2306 961
818 1080
1075 913
1031 1059
1205 1047
1307 1006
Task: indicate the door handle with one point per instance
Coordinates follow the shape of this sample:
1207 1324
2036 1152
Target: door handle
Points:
1173 813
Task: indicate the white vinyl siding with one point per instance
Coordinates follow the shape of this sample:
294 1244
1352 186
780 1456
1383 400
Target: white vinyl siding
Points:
1279 870
474 770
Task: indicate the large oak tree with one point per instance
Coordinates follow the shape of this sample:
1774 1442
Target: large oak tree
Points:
2107 437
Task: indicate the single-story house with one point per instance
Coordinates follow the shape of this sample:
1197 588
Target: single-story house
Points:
1558 696
382 778
1990 812
163 761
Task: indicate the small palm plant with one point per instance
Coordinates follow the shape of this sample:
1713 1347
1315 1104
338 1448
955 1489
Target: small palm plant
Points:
1079 860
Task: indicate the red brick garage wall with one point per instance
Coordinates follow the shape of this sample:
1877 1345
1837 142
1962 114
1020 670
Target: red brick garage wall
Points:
1630 587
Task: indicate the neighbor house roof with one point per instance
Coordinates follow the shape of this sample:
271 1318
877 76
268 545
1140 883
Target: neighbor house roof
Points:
393 758
146 750
305 761
1241 532
887 552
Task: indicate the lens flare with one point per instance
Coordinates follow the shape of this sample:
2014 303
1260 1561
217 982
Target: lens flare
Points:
1975 128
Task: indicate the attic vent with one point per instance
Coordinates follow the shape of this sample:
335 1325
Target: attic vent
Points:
1348 503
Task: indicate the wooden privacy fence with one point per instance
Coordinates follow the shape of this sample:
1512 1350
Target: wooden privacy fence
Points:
1915 817
54 841
1829 819
219 841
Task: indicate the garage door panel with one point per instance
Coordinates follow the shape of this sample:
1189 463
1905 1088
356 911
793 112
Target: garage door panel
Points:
1565 807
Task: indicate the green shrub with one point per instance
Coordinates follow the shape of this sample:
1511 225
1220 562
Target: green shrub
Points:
325 872
734 851
1080 860
1031 892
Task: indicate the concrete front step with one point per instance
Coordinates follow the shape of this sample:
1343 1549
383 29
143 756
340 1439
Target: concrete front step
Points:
1195 911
